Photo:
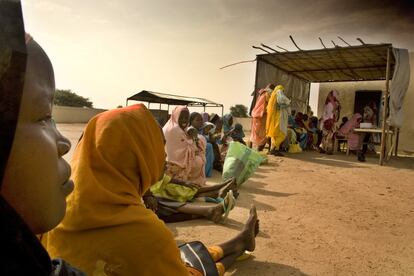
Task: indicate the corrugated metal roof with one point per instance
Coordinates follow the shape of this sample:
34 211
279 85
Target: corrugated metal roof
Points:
353 63
156 97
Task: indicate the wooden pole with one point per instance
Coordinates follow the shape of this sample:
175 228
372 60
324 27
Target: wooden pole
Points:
291 38
270 48
397 141
384 112
320 39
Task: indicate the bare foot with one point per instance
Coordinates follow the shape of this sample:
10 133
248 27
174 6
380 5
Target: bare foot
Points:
250 230
215 213
232 185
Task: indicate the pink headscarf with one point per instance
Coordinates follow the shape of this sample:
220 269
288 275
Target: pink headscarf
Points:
179 149
331 109
332 97
205 117
351 124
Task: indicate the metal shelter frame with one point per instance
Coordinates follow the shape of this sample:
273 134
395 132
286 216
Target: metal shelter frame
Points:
169 99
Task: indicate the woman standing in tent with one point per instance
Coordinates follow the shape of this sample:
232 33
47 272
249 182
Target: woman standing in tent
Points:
329 118
278 110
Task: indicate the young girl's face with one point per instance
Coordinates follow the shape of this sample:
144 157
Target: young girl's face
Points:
36 180
197 122
219 125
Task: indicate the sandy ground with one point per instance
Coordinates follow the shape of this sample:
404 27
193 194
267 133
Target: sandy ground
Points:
319 215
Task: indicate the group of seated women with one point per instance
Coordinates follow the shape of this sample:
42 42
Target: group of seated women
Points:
195 144
302 131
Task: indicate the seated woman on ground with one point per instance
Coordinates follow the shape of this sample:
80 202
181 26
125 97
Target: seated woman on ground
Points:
312 126
185 157
215 140
34 178
301 131
196 121
105 208
168 197
227 131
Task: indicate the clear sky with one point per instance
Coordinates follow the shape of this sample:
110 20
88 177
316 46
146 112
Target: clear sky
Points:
107 50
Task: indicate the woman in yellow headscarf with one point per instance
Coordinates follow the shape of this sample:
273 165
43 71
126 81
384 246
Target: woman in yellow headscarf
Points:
107 230
278 110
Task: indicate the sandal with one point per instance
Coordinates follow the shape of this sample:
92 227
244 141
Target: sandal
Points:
246 255
231 202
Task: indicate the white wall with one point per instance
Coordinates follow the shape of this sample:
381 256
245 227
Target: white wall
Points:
245 122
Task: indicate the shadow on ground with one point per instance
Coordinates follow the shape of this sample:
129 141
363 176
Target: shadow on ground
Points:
342 160
252 267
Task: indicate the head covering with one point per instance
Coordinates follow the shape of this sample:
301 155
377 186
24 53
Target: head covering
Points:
207 124
213 118
191 128
226 122
194 115
259 108
331 110
279 87
179 148
350 124
238 132
354 139
332 97
205 117
278 109
118 158
299 120
22 253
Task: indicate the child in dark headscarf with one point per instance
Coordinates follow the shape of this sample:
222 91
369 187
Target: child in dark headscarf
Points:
34 177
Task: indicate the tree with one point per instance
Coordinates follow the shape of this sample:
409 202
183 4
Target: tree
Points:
239 110
69 98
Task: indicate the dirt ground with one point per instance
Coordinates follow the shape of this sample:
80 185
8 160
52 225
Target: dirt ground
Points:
319 215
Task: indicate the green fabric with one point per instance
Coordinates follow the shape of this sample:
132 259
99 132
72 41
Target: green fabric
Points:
241 162
165 189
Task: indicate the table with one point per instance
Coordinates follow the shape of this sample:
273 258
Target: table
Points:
389 133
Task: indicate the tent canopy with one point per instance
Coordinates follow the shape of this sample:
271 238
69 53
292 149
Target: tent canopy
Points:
161 98
354 63
368 62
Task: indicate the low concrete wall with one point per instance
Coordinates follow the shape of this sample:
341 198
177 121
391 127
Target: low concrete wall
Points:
245 122
68 114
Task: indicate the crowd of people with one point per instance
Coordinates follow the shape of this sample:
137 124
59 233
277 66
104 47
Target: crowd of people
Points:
105 213
95 216
274 123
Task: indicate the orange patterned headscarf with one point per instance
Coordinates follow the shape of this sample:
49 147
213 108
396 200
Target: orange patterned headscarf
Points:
120 155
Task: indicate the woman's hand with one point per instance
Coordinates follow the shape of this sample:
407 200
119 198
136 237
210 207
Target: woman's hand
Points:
150 202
